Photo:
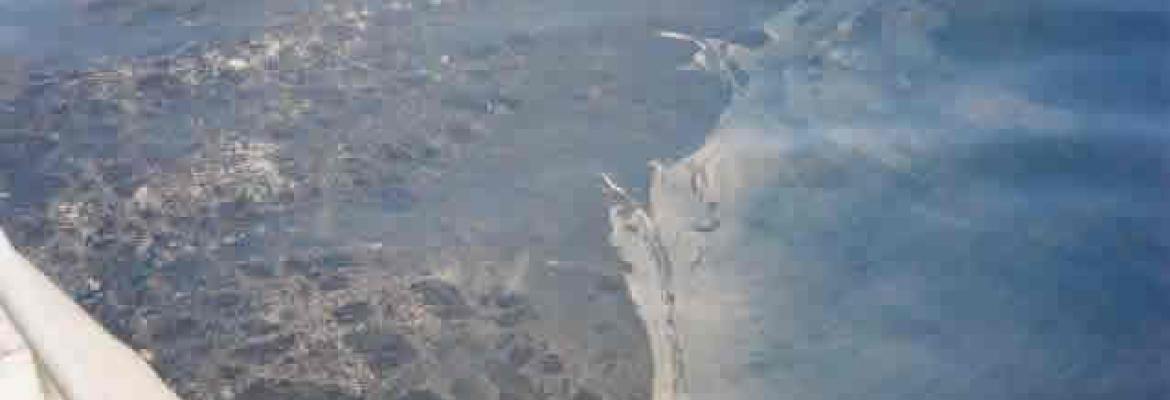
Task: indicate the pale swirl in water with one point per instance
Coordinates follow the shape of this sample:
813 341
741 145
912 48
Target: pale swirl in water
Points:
872 220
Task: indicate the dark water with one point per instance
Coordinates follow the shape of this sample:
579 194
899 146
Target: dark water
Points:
245 177
347 198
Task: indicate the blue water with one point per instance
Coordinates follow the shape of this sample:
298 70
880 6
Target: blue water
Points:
75 33
977 211
935 201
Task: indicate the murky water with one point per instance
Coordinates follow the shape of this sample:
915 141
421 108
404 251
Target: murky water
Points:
401 199
913 200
